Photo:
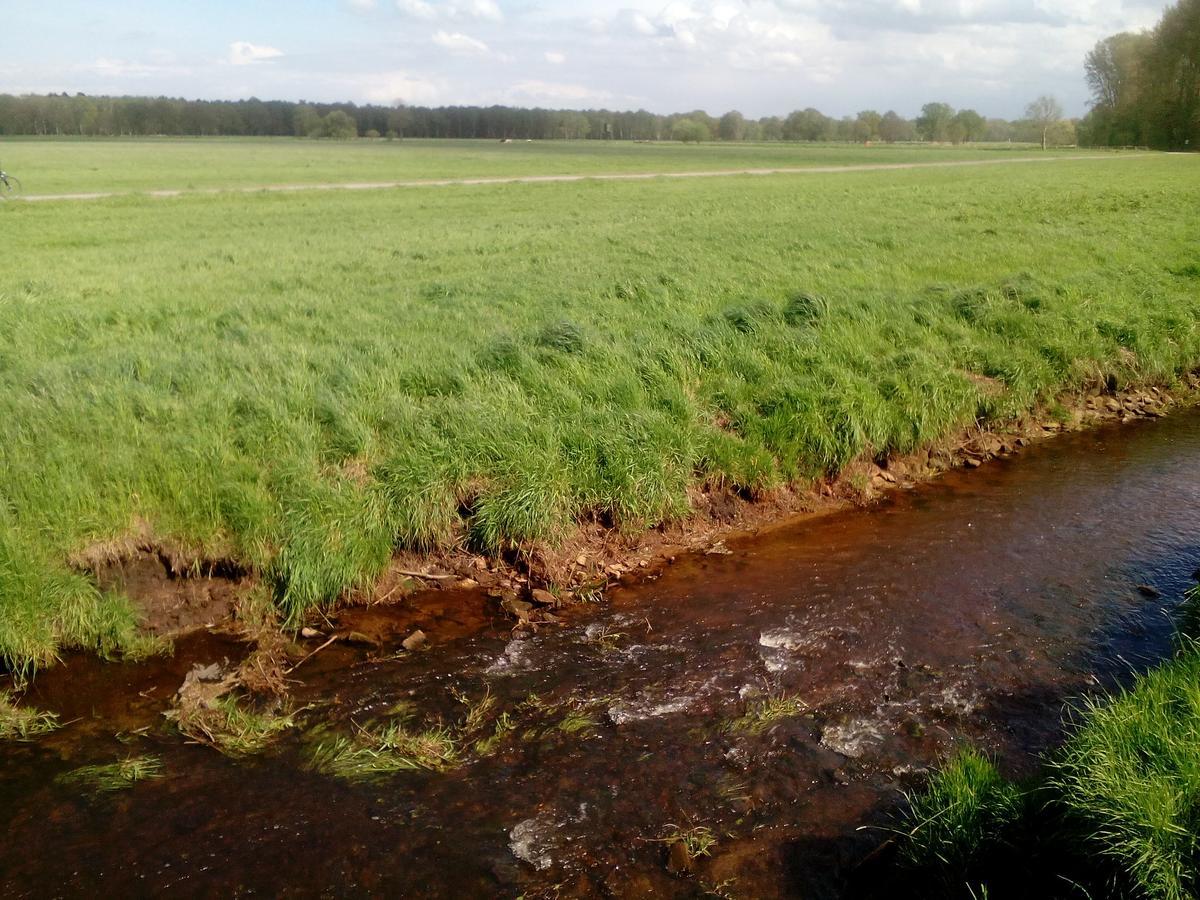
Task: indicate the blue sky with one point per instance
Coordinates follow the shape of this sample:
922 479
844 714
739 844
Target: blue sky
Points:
759 56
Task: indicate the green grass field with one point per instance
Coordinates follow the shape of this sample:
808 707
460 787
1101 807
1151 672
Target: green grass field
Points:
305 382
71 166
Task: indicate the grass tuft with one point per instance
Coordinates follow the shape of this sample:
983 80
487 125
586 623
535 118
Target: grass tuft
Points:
375 752
805 309
231 728
1131 778
564 336
20 723
121 775
761 715
956 819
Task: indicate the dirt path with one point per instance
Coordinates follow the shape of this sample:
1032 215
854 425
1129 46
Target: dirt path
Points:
541 179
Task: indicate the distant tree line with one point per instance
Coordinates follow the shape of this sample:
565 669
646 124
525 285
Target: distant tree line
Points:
79 114
1146 86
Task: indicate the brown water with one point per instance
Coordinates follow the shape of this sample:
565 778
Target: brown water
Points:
966 610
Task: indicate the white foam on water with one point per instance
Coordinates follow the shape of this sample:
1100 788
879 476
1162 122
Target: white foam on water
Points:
852 738
515 658
534 841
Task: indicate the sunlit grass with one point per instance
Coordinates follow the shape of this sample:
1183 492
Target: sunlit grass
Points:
305 383
761 715
966 807
58 166
233 728
1116 811
1131 776
123 774
23 723
375 752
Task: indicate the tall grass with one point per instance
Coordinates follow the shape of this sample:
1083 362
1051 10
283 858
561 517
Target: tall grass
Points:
1131 776
305 383
1117 810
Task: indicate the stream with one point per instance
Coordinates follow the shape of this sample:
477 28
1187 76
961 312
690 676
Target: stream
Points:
778 698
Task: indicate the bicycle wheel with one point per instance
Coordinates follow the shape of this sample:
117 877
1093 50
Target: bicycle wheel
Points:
10 188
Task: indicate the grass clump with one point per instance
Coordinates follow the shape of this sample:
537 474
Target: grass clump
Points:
231 727
564 336
578 722
1116 812
761 715
20 723
1131 778
118 776
956 820
805 309
375 752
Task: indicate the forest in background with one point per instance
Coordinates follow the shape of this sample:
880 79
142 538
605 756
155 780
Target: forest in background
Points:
1146 85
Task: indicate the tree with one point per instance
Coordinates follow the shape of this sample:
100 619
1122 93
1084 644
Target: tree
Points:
893 127
732 126
1114 69
998 130
771 128
573 126
970 125
399 119
1044 112
934 121
306 121
807 125
690 131
1174 69
867 125
337 125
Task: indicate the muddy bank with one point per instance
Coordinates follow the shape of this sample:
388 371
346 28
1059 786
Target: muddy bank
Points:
176 591
760 704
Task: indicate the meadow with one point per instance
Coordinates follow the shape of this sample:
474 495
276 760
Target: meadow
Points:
306 382
72 166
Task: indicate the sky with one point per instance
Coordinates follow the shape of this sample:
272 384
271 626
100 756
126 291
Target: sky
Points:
762 57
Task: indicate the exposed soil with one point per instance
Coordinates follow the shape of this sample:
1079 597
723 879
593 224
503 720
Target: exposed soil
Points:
597 556
174 592
451 593
777 697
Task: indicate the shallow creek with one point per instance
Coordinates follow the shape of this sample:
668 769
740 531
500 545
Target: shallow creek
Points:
781 695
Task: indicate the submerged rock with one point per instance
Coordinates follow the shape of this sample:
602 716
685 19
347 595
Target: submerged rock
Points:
416 641
852 738
515 658
625 712
533 841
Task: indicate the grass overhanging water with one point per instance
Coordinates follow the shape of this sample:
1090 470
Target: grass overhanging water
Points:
1115 812
305 383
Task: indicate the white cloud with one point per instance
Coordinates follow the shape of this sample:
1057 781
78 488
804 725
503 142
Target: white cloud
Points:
121 67
418 9
457 42
471 10
488 10
555 58
553 93
392 87
243 53
630 21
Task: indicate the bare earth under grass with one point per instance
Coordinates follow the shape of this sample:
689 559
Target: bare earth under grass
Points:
298 385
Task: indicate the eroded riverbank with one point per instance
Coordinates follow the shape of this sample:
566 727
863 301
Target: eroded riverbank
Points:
774 698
